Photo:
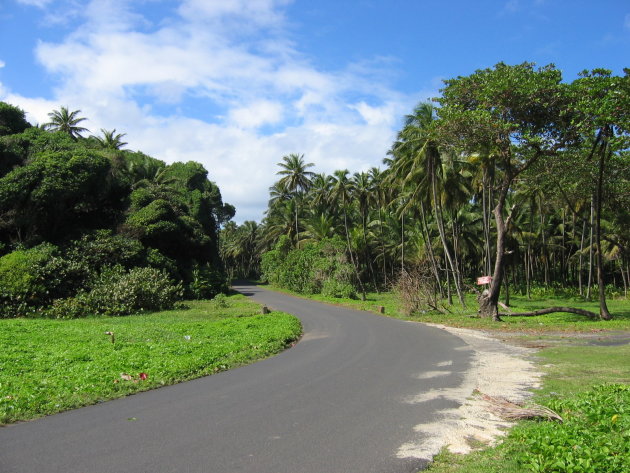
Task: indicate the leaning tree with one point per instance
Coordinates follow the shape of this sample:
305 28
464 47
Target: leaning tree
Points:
519 115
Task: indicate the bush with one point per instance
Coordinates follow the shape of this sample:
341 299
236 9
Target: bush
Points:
417 290
22 288
103 248
70 308
220 301
118 292
334 288
315 268
206 283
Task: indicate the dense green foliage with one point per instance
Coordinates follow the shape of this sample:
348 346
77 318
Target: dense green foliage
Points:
594 437
78 214
315 268
512 173
50 366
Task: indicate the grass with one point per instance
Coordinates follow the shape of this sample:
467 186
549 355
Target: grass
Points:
570 372
48 366
466 317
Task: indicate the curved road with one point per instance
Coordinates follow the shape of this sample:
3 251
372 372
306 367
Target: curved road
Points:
336 402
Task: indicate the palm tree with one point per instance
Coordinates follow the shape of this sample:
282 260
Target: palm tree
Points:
318 227
418 161
364 194
296 179
66 121
111 139
341 194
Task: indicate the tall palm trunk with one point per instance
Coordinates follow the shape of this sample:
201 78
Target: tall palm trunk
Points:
604 150
590 253
440 222
427 238
352 259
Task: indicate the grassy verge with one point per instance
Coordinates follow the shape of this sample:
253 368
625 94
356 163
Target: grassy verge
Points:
465 317
48 366
591 439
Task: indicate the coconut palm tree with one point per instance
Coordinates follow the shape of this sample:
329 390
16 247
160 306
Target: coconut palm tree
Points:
418 161
296 179
66 121
341 195
111 139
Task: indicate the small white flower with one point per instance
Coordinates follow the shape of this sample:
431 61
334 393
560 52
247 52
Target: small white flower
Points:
186 337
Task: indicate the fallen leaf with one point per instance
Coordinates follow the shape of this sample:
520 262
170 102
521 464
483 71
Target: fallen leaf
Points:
143 376
126 377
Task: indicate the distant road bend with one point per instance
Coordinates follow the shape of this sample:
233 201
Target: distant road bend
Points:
334 403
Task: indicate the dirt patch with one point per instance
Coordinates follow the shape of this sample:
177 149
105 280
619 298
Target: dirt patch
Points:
498 369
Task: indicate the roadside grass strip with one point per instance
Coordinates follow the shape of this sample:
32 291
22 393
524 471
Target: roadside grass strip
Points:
458 316
48 366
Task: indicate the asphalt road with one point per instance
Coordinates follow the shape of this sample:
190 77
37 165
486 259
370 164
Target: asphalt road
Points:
333 403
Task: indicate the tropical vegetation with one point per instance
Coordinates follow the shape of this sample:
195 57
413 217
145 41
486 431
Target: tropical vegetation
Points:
511 173
88 227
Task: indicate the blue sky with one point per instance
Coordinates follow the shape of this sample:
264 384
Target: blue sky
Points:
237 84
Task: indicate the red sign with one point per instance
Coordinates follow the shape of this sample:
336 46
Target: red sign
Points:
484 280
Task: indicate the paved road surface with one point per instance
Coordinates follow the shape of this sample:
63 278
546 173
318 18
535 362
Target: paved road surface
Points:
334 403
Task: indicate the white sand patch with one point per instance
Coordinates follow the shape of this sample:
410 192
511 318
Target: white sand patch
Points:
432 374
497 369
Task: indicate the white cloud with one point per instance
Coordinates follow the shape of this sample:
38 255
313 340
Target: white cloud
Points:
262 112
251 79
2 64
35 3
36 108
383 115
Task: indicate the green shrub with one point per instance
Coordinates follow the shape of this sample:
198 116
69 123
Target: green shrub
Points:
63 277
595 435
70 308
315 268
206 283
22 289
103 248
158 260
339 289
118 292
220 301
271 261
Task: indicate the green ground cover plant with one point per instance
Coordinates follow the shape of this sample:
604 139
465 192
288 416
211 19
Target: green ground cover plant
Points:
466 317
48 366
589 386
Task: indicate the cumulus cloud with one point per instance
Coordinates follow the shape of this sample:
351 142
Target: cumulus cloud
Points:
221 83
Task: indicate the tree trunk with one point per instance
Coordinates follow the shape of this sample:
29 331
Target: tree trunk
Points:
551 310
488 301
440 223
402 242
603 307
590 253
425 231
581 255
352 260
297 231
